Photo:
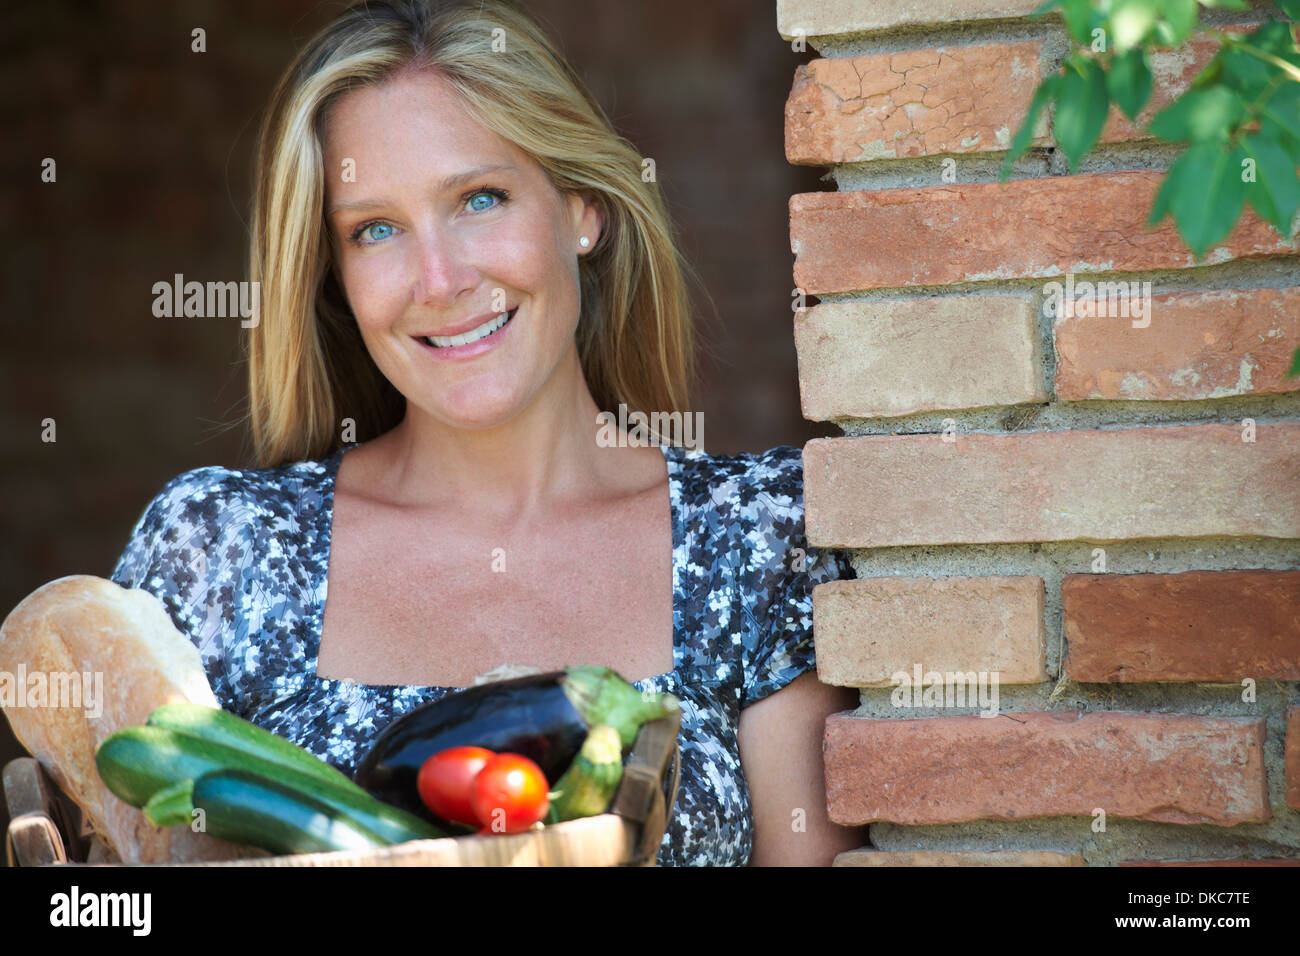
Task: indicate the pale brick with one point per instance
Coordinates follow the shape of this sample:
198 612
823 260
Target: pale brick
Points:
1194 345
940 100
868 857
1092 485
899 356
1268 861
1219 626
972 232
1170 768
827 17
869 629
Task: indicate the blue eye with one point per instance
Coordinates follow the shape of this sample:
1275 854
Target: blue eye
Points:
373 237
376 231
479 194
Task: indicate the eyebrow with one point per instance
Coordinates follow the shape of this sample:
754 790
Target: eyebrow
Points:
451 182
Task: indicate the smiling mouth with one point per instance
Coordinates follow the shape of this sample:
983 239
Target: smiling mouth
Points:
473 335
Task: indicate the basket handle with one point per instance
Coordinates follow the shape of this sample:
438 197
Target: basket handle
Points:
33 837
648 787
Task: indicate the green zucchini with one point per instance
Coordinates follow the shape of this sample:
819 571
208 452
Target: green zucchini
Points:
137 762
589 784
219 727
247 808
171 806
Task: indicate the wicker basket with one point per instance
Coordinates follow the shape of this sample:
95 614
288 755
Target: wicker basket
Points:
45 828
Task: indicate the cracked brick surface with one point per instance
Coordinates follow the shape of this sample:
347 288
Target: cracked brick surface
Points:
912 103
950 100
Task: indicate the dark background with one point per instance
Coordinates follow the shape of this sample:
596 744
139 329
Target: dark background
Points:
153 149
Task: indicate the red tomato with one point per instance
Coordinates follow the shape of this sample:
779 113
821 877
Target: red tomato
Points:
510 794
446 782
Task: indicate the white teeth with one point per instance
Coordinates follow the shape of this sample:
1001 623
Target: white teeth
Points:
473 335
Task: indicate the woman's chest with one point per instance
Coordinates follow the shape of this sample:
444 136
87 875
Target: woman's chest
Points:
432 603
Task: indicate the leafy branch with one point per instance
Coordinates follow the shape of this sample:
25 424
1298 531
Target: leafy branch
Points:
1239 121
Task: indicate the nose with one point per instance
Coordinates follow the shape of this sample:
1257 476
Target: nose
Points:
443 271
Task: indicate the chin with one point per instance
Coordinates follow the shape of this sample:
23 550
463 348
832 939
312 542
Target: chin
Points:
478 413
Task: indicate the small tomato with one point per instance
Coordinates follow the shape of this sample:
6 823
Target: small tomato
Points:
446 782
510 794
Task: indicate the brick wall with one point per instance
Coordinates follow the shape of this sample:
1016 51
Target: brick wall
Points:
1094 518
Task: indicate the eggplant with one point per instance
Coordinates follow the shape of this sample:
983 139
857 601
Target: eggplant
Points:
544 717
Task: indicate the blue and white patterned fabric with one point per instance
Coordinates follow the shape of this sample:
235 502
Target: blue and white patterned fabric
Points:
239 558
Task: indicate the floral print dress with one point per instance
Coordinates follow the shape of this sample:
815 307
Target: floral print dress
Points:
239 558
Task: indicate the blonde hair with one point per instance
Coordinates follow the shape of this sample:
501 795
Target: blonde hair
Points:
307 363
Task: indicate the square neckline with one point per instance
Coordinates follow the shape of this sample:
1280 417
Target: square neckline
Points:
332 464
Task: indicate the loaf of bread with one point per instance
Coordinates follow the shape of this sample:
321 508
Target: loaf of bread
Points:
82 658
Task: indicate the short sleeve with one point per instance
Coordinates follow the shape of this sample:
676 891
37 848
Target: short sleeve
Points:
787 570
174 552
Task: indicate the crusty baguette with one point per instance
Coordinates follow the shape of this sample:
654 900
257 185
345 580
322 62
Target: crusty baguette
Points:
123 642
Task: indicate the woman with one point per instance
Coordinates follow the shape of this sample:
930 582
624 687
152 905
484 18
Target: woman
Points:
461 265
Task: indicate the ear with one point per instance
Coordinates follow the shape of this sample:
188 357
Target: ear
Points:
588 218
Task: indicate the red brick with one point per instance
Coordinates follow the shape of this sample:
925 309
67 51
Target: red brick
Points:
1172 72
900 356
1085 484
869 629
1195 345
1195 626
1170 768
1292 758
958 99
1025 228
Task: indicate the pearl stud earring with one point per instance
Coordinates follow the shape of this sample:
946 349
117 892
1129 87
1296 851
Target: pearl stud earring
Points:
584 242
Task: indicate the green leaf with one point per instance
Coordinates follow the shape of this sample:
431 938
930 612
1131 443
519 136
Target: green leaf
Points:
1294 370
1179 20
1178 178
1210 75
1245 73
1080 18
1202 116
1275 193
1275 37
1129 81
1280 119
1290 7
1131 22
1206 208
1045 93
1081 108
1227 4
